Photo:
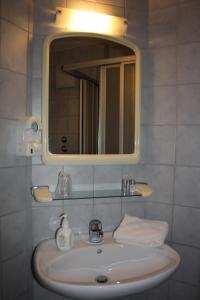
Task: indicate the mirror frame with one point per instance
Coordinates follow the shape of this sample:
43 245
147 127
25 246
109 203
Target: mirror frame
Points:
87 159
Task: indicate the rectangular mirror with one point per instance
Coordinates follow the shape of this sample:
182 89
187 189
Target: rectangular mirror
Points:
91 100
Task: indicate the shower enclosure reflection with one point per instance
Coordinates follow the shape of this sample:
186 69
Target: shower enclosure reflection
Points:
91 97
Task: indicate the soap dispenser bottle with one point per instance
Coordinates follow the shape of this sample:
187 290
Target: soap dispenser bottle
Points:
64 235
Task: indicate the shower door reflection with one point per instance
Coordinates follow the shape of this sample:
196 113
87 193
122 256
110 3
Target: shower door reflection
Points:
89 117
99 112
92 101
117 107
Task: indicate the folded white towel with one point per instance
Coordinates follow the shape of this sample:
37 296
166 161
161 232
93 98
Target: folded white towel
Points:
133 230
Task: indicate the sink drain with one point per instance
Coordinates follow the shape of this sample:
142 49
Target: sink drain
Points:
101 279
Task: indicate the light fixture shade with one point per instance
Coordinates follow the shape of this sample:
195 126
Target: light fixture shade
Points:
87 21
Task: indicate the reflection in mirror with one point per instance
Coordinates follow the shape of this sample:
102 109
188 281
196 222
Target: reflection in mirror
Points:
91 97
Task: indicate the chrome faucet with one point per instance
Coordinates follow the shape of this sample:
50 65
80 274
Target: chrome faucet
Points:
95 231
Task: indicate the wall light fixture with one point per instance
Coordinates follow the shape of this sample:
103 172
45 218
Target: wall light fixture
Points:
87 21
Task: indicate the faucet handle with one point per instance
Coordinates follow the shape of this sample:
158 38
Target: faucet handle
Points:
95 225
100 233
95 231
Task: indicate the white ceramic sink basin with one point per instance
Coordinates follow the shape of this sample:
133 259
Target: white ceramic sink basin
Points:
103 271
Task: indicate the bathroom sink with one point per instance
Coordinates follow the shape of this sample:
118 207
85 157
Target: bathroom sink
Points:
102 271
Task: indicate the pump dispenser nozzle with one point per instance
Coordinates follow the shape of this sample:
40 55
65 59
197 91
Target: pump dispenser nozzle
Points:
64 220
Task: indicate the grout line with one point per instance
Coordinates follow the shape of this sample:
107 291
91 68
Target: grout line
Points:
185 282
1 36
170 124
125 8
15 72
160 8
173 204
185 245
24 251
1 275
9 119
174 45
21 295
14 167
187 206
175 146
93 184
141 164
170 85
173 5
103 3
16 25
148 164
13 212
158 125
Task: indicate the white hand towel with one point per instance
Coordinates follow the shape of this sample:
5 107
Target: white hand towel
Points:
133 230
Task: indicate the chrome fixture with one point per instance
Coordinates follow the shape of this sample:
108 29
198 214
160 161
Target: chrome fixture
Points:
95 231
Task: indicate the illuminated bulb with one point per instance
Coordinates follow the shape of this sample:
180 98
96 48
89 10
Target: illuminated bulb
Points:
85 21
89 22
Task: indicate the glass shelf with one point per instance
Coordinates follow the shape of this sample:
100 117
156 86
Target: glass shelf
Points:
95 194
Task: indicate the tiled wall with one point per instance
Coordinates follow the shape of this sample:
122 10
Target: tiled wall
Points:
15 172
171 119
168 32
